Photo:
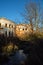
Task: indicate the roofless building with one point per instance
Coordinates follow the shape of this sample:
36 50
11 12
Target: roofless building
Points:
7 27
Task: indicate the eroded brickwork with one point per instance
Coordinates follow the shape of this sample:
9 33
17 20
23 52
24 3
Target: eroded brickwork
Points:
23 30
19 30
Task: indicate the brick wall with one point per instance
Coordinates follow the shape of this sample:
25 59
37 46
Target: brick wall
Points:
23 30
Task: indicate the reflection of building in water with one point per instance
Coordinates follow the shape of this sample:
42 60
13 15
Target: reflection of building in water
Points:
6 26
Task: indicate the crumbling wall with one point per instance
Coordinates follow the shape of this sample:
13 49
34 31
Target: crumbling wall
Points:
23 30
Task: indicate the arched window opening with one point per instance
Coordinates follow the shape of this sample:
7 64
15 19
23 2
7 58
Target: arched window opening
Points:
12 26
6 25
9 33
9 25
25 28
6 33
0 24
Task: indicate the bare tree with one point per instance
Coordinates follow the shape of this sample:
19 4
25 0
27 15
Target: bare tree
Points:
32 14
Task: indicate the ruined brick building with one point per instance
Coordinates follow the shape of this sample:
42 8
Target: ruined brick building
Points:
8 27
23 30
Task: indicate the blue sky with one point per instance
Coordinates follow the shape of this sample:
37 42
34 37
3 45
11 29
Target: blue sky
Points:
12 9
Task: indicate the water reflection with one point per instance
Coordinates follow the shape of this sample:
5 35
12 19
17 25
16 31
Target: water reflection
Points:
17 58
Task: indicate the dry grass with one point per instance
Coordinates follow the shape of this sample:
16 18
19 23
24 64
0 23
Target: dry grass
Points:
36 35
